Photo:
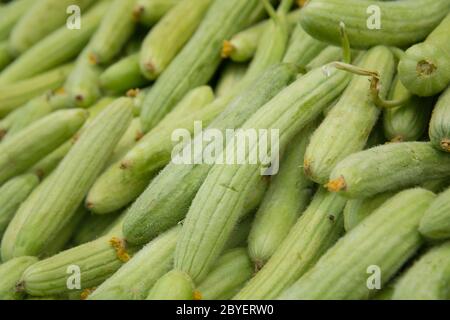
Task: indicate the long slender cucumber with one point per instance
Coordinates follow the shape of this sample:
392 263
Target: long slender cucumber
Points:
435 223
10 273
149 12
6 55
11 13
230 77
439 131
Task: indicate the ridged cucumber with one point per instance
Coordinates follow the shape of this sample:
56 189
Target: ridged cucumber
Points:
439 125
435 223
10 273
230 77
174 285
6 55
11 13
149 12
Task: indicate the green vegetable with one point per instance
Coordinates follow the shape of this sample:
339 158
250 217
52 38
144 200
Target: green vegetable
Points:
381 244
149 12
230 77
174 285
10 273
439 124
6 56
92 227
47 164
435 223
11 13
327 55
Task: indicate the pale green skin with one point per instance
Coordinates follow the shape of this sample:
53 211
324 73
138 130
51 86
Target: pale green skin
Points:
166 39
315 231
10 273
435 223
425 67
41 19
23 150
390 167
6 56
11 13
92 227
403 23
199 59
387 239
47 164
428 278
230 77
149 12
229 274
174 285
57 48
347 126
439 131
327 55
216 208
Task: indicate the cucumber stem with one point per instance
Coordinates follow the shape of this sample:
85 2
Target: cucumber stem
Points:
285 6
347 53
271 11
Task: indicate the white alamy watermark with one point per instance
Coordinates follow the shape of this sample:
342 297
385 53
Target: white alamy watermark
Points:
374 20
74 20
374 281
74 280
231 147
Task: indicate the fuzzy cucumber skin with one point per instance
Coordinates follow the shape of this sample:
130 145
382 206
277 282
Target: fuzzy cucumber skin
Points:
407 122
174 285
169 35
388 167
149 12
134 279
218 204
123 75
347 126
232 270
425 67
230 78
439 130
6 55
403 23
166 200
11 13
10 273
57 48
71 181
427 278
387 239
289 194
16 94
127 177
198 60
27 147
435 223
41 19
12 194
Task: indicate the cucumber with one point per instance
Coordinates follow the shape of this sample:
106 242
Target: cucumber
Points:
57 48
134 280
327 55
231 271
425 67
125 179
388 167
166 200
407 122
386 239
10 273
428 277
123 75
30 145
402 23
16 94
92 227
439 128
288 195
174 285
149 12
12 194
347 126
240 233
11 13
199 59
41 19
315 231
435 223
166 39
230 77
6 55
47 164
57 201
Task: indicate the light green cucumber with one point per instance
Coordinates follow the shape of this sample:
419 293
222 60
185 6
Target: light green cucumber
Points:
92 227
327 55
149 12
439 131
239 235
347 126
315 231
73 177
167 199
115 29
134 280
57 48
199 59
30 145
12 194
11 13
41 19
288 195
409 121
435 223
379 246
169 36
371 23
230 78
388 167
425 67
428 278
125 179
16 94
138 96
231 271
123 75
6 55
10 273
47 164
174 285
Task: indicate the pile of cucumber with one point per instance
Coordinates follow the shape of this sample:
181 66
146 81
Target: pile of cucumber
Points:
94 206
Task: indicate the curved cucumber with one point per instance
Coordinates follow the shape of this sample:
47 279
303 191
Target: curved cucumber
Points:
439 124
370 23
11 13
384 242
149 12
388 167
435 223
10 273
175 285
230 78
425 67
347 126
